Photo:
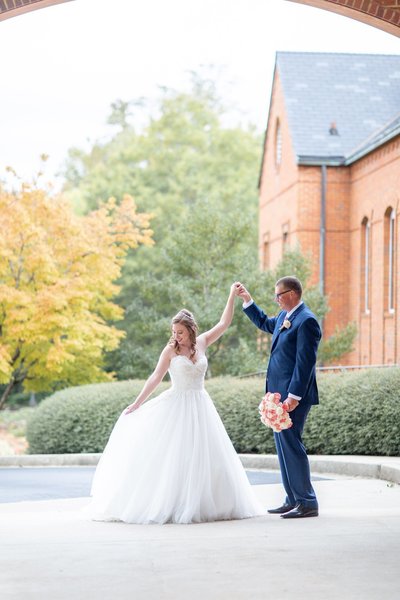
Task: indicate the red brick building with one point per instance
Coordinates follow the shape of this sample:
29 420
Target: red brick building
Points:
330 184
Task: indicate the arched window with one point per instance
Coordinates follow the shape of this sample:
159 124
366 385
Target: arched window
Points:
365 264
389 258
278 144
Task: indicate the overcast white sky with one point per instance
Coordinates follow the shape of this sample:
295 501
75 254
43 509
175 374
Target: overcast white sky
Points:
61 67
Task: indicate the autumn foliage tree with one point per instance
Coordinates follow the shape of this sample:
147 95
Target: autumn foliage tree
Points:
57 274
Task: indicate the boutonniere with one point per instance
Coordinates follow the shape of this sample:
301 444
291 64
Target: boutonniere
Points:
285 325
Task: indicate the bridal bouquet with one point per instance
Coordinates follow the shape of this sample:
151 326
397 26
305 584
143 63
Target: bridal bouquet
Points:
273 414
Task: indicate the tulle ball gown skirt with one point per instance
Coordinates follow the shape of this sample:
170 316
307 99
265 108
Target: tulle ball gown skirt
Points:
171 461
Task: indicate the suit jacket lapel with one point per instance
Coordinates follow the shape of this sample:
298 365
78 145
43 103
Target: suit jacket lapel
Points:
277 330
280 320
297 312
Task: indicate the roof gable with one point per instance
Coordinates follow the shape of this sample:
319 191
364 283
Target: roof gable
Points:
359 93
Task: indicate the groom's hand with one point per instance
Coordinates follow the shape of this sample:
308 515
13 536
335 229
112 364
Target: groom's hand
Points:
242 292
290 404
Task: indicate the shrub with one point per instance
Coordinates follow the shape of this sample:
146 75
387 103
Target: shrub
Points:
79 419
359 413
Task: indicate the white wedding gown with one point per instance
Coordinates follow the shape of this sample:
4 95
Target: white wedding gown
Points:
171 461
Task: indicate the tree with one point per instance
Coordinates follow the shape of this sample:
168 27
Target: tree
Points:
120 114
198 177
57 274
195 175
206 251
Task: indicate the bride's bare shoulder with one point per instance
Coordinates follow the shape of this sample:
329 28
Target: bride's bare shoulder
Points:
201 342
169 351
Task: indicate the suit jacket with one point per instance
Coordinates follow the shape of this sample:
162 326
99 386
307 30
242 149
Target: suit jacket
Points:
291 367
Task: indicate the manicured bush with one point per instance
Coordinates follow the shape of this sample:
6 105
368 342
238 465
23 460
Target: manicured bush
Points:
79 419
359 413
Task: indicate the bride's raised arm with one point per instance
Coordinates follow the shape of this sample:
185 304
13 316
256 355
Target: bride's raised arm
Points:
211 336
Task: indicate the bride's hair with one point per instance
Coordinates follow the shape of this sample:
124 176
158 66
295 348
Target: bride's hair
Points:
187 319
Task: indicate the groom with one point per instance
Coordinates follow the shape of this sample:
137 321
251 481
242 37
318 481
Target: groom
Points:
291 372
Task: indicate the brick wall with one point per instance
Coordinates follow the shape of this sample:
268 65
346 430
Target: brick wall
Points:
375 187
290 200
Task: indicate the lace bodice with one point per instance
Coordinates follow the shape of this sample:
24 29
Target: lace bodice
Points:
186 375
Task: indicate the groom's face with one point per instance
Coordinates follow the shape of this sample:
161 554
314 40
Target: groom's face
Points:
285 298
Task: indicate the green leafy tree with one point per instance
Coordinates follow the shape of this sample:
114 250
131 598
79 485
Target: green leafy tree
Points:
189 171
198 178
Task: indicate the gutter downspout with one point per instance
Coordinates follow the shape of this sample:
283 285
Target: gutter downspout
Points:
322 236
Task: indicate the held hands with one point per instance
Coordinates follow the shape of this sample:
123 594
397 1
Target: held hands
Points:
242 292
290 404
234 288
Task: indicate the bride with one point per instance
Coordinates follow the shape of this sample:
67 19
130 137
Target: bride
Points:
170 460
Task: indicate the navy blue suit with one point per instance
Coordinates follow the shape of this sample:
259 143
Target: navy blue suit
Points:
291 369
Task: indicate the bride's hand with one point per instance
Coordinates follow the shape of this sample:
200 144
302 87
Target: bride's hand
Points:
131 408
235 288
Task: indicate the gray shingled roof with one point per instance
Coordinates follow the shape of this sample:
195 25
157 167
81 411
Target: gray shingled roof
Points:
385 133
360 93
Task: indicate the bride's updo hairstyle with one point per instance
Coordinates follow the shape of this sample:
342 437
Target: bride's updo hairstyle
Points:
186 318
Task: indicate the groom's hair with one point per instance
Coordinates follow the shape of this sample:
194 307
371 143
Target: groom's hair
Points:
291 283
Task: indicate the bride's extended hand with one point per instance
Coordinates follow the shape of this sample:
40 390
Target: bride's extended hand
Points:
235 287
131 408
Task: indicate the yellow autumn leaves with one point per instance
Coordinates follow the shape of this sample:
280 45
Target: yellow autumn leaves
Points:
57 273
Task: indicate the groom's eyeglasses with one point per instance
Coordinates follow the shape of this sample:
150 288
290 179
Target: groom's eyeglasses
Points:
277 296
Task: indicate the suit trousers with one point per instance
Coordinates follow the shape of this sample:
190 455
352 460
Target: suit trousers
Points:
293 460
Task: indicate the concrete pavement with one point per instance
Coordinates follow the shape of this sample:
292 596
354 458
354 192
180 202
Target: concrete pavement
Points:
350 552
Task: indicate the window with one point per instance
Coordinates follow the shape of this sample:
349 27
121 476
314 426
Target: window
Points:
389 258
365 264
278 144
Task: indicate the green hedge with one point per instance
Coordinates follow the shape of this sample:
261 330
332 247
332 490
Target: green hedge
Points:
359 414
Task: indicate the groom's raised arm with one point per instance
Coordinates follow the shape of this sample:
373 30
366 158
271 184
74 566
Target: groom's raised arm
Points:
255 314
